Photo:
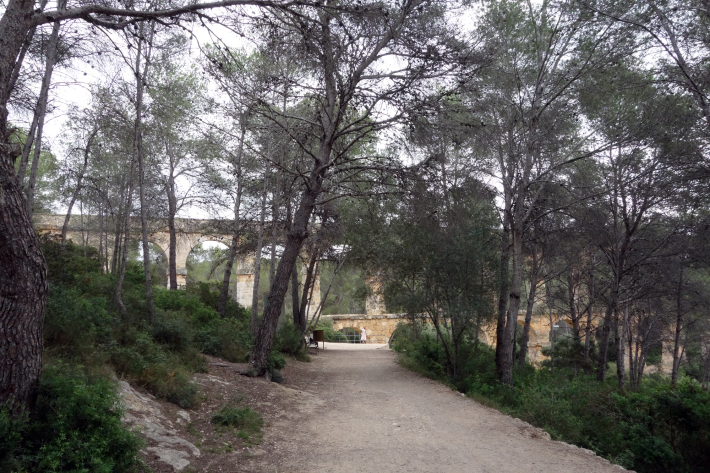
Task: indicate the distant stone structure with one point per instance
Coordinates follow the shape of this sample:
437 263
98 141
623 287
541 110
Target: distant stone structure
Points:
190 233
379 324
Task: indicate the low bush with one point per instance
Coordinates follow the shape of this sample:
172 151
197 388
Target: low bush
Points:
245 420
76 427
289 340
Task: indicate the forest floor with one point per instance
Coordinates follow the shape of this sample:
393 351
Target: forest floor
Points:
352 408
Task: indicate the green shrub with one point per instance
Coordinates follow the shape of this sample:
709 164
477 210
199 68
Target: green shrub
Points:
12 432
276 361
83 325
289 340
192 318
172 329
164 373
68 266
225 338
569 354
656 429
246 420
76 427
78 327
239 417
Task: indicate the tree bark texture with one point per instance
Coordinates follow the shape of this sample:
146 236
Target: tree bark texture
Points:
23 293
23 269
294 242
513 305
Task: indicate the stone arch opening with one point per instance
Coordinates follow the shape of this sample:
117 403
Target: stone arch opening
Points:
561 328
351 334
158 261
206 261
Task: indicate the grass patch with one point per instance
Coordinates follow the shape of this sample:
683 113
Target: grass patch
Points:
245 420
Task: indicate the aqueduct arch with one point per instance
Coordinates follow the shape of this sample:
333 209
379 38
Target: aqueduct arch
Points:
189 233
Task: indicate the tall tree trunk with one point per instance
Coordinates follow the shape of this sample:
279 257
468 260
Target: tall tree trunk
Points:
274 233
678 329
294 242
23 269
514 305
117 237
102 258
224 292
141 76
78 187
172 237
297 320
621 347
257 262
588 327
308 284
604 342
124 235
41 111
534 280
503 293
23 292
573 315
233 246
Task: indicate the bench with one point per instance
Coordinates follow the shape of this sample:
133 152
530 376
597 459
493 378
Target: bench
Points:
310 343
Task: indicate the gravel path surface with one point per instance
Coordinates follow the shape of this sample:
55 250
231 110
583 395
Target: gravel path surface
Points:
354 409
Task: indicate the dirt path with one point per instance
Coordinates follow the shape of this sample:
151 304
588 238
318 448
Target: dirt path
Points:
357 410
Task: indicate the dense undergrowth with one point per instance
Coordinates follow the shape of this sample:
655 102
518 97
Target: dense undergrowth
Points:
76 426
653 429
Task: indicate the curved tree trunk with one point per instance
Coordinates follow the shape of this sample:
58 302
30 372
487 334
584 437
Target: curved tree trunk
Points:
294 241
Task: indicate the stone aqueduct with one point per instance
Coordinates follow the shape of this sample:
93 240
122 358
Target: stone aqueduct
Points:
378 323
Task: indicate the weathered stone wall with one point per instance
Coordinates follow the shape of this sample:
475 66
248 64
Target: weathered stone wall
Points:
379 328
190 233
